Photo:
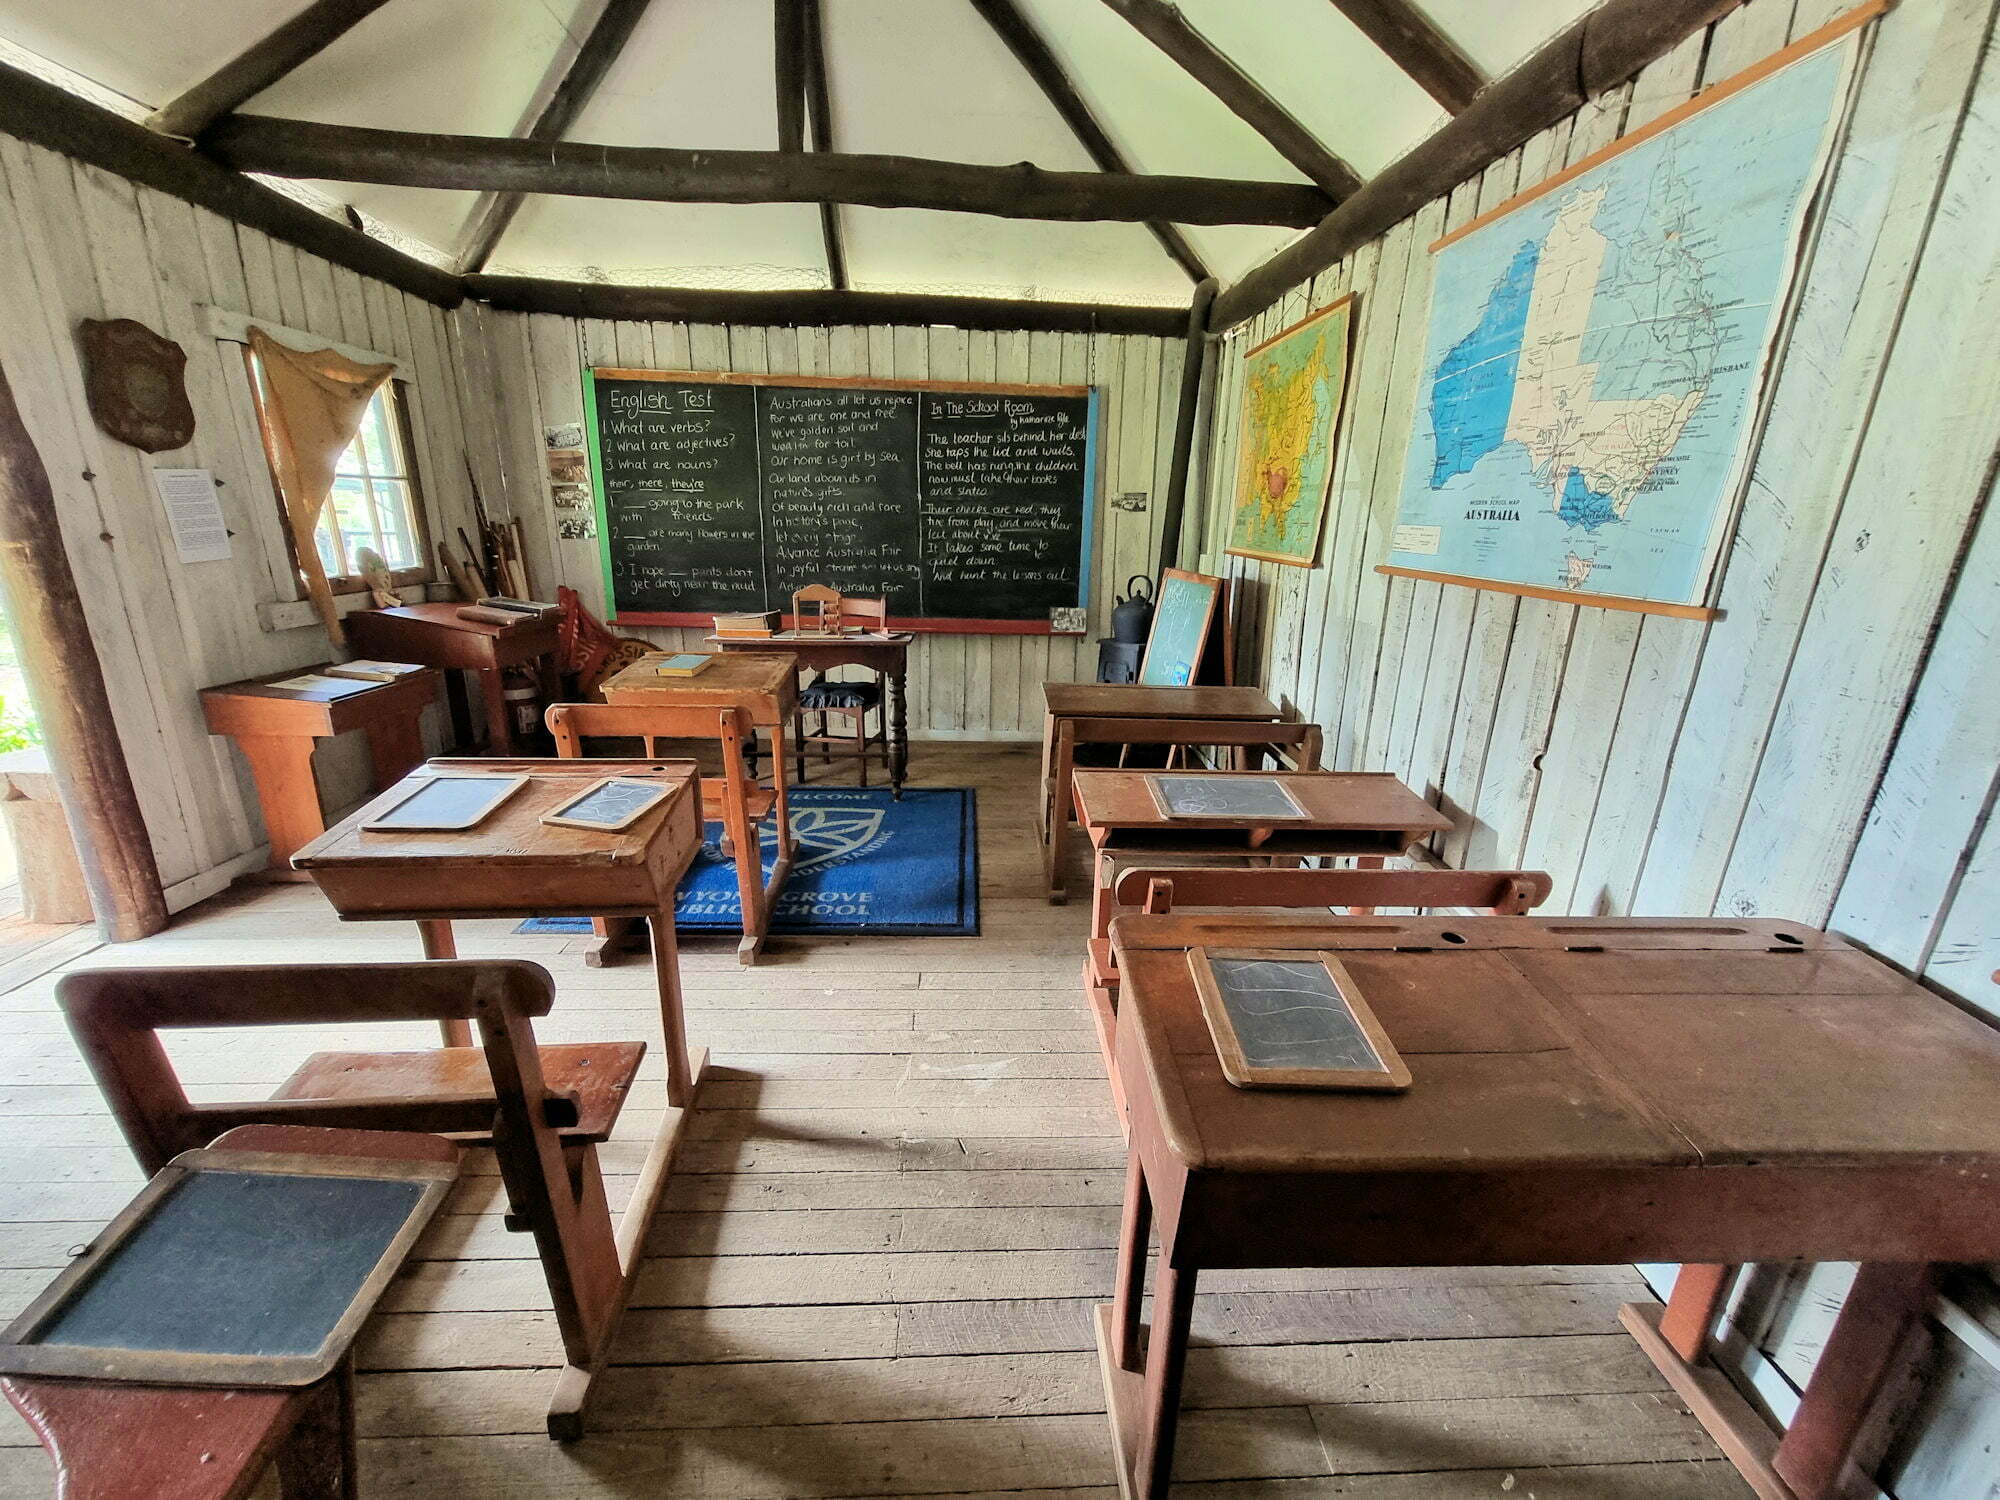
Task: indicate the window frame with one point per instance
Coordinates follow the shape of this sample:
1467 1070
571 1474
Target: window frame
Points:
402 431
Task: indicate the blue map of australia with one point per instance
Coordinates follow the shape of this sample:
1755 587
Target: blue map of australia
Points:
1594 355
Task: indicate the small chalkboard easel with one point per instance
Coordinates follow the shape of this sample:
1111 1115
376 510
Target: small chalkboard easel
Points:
1190 644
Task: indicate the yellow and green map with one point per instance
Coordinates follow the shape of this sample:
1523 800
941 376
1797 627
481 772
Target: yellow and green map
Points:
1292 389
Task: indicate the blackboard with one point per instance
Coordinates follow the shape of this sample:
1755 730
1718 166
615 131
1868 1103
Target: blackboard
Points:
1196 796
966 507
446 803
1285 1020
1186 622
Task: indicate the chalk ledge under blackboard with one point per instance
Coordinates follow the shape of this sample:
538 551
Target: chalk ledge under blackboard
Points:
699 620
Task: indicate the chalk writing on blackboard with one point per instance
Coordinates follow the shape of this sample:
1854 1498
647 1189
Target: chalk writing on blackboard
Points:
610 805
1290 1020
446 803
1194 796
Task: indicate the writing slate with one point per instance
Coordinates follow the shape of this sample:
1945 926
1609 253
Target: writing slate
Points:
955 503
1196 796
1288 1021
610 805
447 803
1182 625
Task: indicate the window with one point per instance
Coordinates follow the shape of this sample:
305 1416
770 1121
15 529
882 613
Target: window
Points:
376 502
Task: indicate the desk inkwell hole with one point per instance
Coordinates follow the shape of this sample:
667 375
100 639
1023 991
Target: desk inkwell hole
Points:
1452 937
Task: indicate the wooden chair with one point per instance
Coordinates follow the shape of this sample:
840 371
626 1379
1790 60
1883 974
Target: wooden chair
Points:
544 1110
1297 746
852 701
730 799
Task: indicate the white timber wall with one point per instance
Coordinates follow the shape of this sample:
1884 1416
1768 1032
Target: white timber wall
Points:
979 687
76 243
1825 751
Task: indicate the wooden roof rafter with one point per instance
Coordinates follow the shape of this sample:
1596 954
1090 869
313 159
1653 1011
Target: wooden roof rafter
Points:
1410 40
602 47
260 65
1034 55
1162 24
664 174
804 97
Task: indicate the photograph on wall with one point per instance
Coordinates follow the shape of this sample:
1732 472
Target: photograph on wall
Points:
1598 345
1293 387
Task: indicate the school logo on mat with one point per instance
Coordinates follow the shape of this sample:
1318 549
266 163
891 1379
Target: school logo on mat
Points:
824 836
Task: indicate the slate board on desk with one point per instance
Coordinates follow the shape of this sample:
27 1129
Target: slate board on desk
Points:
954 504
1196 796
1292 1020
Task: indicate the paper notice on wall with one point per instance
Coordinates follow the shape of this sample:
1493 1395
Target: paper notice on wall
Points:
194 513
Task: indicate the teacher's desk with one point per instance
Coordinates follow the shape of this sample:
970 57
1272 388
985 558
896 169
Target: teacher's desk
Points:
1585 1091
435 635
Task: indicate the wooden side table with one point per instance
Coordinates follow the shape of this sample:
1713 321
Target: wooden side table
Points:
434 635
1585 1091
888 654
275 727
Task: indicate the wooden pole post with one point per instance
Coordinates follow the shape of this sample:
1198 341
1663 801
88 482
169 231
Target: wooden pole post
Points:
1184 421
60 663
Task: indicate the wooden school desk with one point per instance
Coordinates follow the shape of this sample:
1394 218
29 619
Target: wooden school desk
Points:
1367 816
276 727
434 635
888 654
1106 700
515 865
1586 1091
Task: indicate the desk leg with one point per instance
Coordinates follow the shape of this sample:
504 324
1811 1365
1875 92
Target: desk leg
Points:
673 1027
318 1459
282 768
440 943
395 748
899 726
499 732
1134 1236
1144 1405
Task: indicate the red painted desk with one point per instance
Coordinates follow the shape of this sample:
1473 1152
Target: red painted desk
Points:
434 635
1587 1090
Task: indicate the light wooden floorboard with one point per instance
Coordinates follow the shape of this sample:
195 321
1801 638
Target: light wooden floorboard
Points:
874 1268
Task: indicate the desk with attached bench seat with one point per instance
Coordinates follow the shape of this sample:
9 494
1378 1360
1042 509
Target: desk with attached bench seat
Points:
1585 1090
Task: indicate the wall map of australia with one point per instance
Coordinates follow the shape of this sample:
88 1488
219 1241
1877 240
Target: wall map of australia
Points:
1595 354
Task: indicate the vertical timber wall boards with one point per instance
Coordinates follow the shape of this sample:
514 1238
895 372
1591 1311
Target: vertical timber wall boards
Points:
1826 751
978 687
75 243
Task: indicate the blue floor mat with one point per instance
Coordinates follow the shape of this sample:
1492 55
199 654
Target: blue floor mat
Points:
865 863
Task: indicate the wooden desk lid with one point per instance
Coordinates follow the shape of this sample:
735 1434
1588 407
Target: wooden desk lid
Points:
1124 700
1373 800
1579 1042
734 674
515 834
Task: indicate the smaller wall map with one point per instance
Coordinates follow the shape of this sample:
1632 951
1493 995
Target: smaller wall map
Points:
1293 385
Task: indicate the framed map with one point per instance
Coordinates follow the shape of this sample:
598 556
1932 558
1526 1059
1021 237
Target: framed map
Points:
1598 347
1293 385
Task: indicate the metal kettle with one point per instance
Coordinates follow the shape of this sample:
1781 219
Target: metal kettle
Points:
1133 616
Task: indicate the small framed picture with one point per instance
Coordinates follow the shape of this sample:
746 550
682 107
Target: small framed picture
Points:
609 805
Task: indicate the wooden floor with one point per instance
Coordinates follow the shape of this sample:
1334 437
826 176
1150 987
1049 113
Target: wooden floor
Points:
874 1268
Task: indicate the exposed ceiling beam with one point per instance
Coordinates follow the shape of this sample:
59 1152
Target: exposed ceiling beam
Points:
1599 52
1163 25
262 64
1034 55
44 115
347 153
804 97
601 48
817 307
1418 48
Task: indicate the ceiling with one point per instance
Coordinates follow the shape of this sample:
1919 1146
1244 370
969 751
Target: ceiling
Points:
907 77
